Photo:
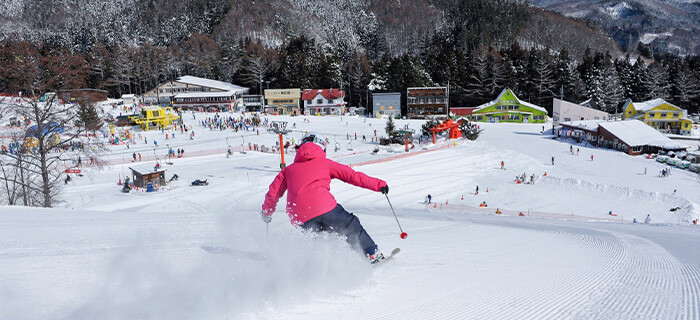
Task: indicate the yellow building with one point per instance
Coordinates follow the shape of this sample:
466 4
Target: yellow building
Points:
282 101
155 116
659 114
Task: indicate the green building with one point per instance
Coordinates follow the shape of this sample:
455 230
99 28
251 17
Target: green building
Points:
508 108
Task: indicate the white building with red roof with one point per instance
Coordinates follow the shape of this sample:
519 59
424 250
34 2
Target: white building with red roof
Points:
323 101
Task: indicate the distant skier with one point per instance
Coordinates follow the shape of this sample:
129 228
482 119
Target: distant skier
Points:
477 190
310 204
591 157
648 219
552 160
430 198
502 164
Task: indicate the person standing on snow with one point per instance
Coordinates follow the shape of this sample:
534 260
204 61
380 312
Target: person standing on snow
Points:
647 220
310 204
552 160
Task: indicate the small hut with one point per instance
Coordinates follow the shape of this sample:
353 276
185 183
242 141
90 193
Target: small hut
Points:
145 174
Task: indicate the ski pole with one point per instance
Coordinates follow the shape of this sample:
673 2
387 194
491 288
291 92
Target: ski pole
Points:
403 234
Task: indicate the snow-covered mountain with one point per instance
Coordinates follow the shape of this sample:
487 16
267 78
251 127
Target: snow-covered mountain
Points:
377 26
659 25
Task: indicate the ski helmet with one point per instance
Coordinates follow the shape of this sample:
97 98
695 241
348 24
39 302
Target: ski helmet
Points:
315 138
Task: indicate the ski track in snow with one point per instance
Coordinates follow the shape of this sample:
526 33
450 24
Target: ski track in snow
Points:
582 274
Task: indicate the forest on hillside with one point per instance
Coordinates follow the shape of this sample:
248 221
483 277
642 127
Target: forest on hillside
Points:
476 46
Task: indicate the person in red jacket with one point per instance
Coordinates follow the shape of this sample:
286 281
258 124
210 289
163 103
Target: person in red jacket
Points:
310 204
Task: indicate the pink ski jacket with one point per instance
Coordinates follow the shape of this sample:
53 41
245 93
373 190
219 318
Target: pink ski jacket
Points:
308 182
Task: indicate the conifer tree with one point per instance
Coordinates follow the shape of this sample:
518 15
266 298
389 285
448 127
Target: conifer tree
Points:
390 128
469 129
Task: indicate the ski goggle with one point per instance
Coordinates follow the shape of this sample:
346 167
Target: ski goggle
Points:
315 139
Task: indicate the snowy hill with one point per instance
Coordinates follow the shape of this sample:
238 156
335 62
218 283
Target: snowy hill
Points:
202 252
667 25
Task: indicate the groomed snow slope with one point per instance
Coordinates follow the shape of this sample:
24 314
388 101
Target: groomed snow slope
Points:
202 252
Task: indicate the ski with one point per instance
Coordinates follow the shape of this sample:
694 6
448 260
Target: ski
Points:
393 253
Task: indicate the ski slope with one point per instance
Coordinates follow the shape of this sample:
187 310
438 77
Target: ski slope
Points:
189 252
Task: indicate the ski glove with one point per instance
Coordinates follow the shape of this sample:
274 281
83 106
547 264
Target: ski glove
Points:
384 189
265 218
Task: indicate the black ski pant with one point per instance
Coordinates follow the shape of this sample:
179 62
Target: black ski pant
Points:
345 224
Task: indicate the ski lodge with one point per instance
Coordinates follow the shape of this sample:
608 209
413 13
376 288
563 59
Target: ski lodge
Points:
633 137
508 108
194 93
660 115
282 101
386 104
323 101
422 102
565 111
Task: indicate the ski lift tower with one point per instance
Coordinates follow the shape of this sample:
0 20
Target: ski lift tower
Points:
280 127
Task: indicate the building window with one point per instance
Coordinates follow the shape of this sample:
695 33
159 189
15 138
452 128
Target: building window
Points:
330 101
319 101
567 119
676 114
663 114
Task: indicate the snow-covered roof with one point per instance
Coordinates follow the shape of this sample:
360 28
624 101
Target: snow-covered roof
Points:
205 94
649 104
128 96
637 133
591 125
146 168
495 101
225 86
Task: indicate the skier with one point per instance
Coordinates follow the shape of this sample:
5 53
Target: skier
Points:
591 157
647 220
430 198
577 150
477 190
310 204
635 220
134 155
552 160
502 164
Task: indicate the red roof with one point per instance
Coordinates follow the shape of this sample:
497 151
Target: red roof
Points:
462 111
310 94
